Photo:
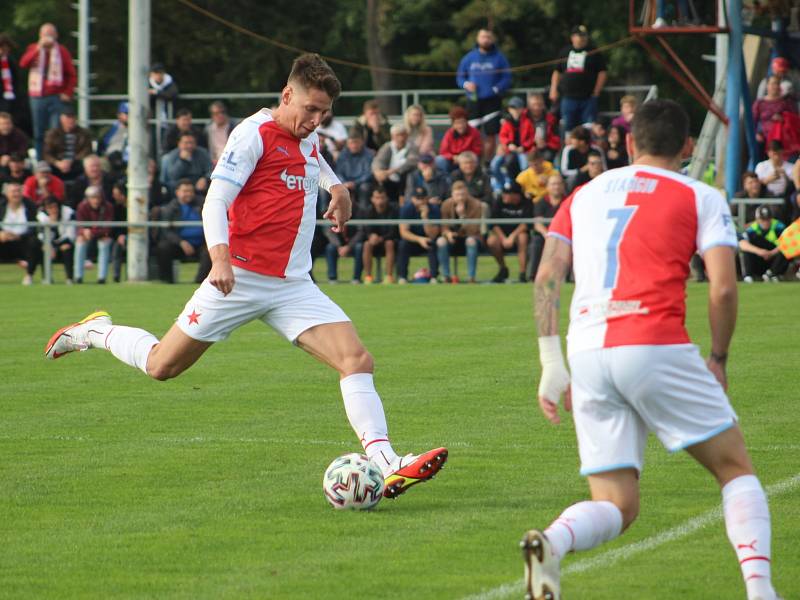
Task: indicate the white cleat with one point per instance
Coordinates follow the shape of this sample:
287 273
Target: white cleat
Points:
542 568
75 337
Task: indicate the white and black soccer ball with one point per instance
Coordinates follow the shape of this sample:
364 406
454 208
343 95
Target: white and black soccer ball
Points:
353 482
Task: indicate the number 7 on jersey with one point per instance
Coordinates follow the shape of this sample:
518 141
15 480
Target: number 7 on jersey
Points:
622 216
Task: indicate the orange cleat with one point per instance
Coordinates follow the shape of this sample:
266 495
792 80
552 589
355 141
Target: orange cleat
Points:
412 470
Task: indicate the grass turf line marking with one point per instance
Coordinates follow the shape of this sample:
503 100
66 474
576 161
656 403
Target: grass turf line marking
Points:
606 559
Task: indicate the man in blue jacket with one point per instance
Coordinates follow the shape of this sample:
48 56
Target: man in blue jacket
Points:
484 74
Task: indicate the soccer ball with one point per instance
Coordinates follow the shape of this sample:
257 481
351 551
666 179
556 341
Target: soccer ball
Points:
353 482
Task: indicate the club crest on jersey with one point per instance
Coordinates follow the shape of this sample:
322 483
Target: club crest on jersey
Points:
298 182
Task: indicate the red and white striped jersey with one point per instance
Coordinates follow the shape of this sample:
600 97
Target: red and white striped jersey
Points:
633 232
272 219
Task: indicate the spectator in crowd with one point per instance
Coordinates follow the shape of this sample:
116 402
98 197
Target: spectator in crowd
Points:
578 80
15 171
775 173
119 235
461 239
42 184
373 126
575 157
12 139
789 85
533 180
752 189
17 240
428 176
347 242
12 91
516 140
546 209
354 169
56 217
599 130
66 145
163 92
93 208
113 142
416 240
617 153
627 108
505 237
93 174
182 242
183 124
393 162
769 110
218 129
187 161
460 137
594 166
334 134
470 172
51 81
545 124
760 254
380 240
420 134
485 76
158 194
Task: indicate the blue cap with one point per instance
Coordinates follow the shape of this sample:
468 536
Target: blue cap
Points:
123 107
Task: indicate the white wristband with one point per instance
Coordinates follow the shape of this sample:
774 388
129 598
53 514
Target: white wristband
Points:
550 349
555 376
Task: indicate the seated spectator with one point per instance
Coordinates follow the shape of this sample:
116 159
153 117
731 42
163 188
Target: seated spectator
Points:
426 175
183 124
594 166
93 174
158 194
502 238
545 124
533 180
218 129
380 240
354 170
187 161
348 242
420 134
182 242
470 173
627 108
93 208
599 132
416 240
12 139
373 126
18 240
769 110
516 140
760 254
67 145
789 85
119 235
333 134
113 142
56 216
617 153
393 162
775 173
752 189
15 171
575 157
546 209
460 137
42 184
460 239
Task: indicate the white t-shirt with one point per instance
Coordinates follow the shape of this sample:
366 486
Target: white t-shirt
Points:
777 188
14 221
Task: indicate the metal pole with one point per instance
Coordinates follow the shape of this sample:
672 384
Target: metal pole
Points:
732 101
138 61
720 73
47 278
84 82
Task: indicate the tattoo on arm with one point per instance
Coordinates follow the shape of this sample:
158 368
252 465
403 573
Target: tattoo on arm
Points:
553 267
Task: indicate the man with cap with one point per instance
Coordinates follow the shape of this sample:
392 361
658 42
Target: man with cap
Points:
578 80
416 240
760 254
113 142
780 66
42 184
163 92
516 140
509 236
430 177
66 145
354 169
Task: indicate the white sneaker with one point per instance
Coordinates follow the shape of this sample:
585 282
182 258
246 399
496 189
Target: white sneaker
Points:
747 279
542 568
76 336
27 280
659 23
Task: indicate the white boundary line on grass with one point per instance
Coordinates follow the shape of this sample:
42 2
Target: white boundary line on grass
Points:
611 557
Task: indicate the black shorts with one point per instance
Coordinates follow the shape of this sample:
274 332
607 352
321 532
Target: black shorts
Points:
482 108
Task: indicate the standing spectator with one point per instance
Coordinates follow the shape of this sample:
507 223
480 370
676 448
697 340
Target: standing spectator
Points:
594 166
218 129
119 235
752 189
380 240
545 124
113 142
546 209
775 173
418 239
627 107
66 145
485 75
617 153
93 174
575 157
460 137
17 240
354 170
15 171
42 184
187 161
56 216
769 110
183 124
93 208
470 172
163 92
12 93
51 81
533 180
789 84
512 205
333 133
516 140
182 242
461 239
348 242
578 80
760 254
420 134
393 162
373 126
12 139
426 175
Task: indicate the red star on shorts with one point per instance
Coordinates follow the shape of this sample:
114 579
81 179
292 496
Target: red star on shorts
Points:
193 318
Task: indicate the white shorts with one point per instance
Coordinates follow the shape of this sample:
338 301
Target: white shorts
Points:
290 307
620 394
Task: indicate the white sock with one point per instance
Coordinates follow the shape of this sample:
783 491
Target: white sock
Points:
365 413
747 523
583 526
131 345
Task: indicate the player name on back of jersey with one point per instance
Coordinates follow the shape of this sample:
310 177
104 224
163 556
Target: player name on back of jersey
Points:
636 184
612 309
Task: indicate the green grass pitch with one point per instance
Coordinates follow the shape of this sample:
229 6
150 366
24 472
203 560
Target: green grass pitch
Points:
209 485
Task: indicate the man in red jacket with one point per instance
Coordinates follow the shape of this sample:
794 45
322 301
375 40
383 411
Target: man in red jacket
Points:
459 138
545 126
516 140
51 81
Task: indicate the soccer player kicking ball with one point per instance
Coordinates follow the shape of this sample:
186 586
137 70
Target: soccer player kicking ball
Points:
629 235
259 220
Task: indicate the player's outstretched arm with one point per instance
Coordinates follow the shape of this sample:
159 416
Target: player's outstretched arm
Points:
722 306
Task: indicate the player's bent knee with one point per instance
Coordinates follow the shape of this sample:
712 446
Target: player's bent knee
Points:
358 362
